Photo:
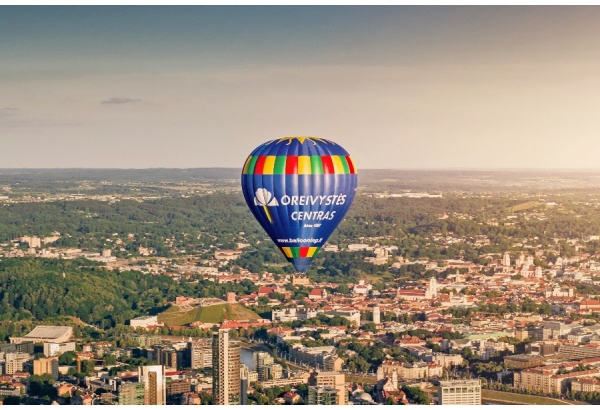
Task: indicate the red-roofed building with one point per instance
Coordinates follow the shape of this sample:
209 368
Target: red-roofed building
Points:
317 294
291 398
589 305
236 324
266 291
20 375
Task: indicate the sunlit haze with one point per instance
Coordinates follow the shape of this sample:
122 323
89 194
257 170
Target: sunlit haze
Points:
398 86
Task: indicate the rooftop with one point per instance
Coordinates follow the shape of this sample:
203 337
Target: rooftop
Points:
49 332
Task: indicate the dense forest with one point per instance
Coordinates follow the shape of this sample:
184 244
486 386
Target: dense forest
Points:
39 289
175 226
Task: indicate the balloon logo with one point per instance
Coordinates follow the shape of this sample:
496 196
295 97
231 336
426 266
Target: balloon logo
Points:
299 189
265 199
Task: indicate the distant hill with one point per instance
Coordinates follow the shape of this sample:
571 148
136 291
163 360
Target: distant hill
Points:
393 180
175 316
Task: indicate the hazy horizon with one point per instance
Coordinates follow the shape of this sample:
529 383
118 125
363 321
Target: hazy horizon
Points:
400 87
362 169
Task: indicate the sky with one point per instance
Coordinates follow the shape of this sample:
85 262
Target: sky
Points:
419 87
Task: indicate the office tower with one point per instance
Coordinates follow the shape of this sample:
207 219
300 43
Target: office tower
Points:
153 378
330 379
459 392
13 362
323 395
244 381
131 393
262 363
168 358
262 359
200 353
226 369
46 365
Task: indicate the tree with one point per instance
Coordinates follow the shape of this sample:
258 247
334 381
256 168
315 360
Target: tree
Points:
109 359
42 385
416 395
67 358
11 400
87 367
369 327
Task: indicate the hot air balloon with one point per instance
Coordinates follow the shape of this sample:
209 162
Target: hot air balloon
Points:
299 189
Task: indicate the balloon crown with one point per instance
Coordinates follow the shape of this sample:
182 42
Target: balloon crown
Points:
289 140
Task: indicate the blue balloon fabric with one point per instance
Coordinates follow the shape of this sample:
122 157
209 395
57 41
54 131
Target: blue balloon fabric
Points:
299 189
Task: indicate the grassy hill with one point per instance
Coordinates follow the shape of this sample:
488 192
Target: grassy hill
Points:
175 316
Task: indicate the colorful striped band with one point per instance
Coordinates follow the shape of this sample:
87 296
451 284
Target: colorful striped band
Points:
299 251
301 165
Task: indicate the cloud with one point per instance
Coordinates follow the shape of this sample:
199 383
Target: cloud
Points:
121 100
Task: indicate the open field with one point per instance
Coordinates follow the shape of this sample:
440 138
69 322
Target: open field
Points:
175 316
515 398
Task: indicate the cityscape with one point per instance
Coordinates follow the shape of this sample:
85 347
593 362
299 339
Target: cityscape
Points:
299 205
445 296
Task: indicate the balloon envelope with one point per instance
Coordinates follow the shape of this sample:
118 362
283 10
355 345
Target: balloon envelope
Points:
299 189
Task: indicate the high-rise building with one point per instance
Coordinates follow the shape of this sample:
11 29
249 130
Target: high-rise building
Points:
13 362
263 362
262 359
460 392
200 353
271 371
169 358
153 378
376 315
324 395
46 365
131 393
330 379
244 382
157 353
226 369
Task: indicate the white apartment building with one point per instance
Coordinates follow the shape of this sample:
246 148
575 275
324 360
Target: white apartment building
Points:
459 392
